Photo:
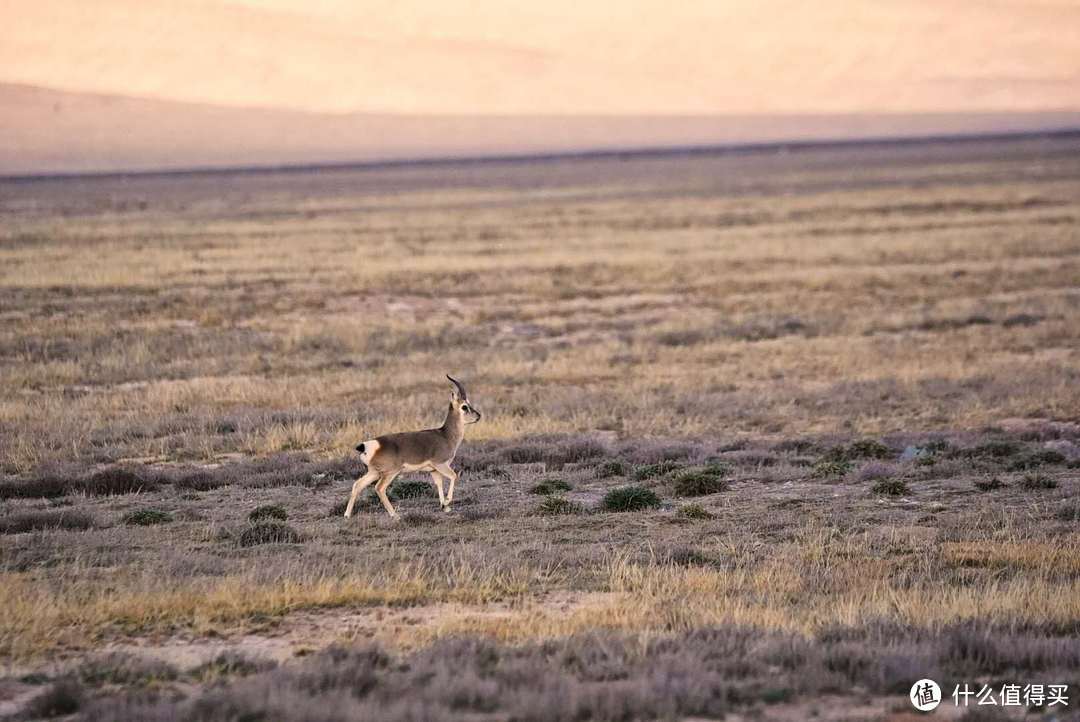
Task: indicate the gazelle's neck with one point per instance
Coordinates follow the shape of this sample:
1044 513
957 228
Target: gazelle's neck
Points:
453 428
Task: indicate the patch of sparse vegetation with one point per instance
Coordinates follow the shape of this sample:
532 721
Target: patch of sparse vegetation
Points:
991 484
64 697
229 665
653 471
411 489
610 468
22 522
891 487
147 517
270 532
869 449
1038 482
270 511
555 505
125 669
550 486
1036 459
117 480
701 482
831 468
694 511
630 498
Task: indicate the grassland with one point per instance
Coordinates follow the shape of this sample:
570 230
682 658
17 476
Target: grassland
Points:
850 377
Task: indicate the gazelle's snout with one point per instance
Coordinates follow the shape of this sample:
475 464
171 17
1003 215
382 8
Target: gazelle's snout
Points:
472 414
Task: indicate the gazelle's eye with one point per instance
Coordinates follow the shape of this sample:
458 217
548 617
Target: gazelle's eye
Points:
465 408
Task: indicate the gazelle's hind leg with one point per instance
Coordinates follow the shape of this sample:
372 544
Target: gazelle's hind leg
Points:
450 474
381 488
436 479
361 484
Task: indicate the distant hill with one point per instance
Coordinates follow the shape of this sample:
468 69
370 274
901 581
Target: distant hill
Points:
46 131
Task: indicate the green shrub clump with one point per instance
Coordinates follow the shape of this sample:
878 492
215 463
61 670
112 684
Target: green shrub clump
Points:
270 532
701 482
147 517
269 511
630 498
550 486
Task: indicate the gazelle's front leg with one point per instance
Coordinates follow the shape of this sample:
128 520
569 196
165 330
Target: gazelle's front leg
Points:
361 484
436 479
450 474
381 488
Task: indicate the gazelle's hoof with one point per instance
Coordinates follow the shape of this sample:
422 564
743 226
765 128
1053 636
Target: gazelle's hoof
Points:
348 514
446 508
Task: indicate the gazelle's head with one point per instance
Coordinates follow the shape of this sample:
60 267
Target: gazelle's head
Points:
459 400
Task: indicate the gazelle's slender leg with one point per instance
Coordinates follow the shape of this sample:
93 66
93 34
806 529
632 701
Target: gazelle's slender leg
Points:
361 484
381 488
450 474
436 479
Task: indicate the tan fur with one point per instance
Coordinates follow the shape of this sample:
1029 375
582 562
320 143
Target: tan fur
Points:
430 450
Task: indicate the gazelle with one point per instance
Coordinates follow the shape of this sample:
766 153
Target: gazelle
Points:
430 450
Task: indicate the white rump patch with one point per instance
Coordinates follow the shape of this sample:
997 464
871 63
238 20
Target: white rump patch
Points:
370 447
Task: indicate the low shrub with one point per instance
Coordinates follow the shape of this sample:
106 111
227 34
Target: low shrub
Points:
831 468
630 498
869 449
652 471
229 664
117 480
270 511
989 484
411 489
701 482
270 532
1036 482
694 511
39 520
891 487
147 517
126 669
1037 459
65 697
555 505
610 468
550 486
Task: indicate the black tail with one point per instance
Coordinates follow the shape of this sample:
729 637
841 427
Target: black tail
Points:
360 448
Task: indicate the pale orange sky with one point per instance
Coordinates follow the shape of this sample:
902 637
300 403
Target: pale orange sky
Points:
556 56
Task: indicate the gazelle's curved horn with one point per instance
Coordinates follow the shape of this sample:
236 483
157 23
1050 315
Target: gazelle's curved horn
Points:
460 388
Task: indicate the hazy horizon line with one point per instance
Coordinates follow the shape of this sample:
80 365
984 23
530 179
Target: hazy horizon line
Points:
630 152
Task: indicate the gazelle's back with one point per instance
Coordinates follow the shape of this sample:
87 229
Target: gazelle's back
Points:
411 448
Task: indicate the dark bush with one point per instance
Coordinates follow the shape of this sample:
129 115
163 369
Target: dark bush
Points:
1036 482
1036 459
550 486
127 669
555 505
230 664
200 480
891 487
630 498
270 532
869 449
652 471
46 486
52 519
411 489
64 697
613 467
147 517
117 480
701 482
694 511
269 511
831 468
989 484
